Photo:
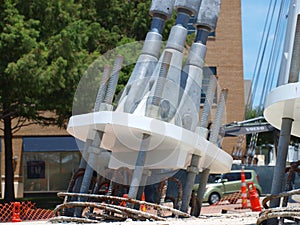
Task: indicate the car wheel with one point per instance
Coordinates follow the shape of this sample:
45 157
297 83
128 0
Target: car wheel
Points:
213 198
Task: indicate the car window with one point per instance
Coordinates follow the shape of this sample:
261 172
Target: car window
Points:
213 178
232 176
248 175
235 176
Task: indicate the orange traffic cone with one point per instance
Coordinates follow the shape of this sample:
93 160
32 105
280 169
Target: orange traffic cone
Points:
16 212
123 203
106 186
244 190
143 207
254 198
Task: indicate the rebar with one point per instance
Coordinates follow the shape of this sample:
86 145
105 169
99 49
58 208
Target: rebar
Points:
99 99
126 212
270 197
290 213
289 180
139 167
180 191
130 200
86 181
210 94
252 147
113 80
218 117
159 87
271 214
75 178
190 181
102 88
195 206
163 186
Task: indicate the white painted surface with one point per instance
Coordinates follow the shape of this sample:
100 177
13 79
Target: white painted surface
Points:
284 102
170 146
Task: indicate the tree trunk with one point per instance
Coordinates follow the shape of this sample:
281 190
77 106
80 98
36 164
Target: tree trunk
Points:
9 193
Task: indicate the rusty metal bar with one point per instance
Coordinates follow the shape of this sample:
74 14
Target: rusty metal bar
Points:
280 195
105 197
108 207
180 191
278 212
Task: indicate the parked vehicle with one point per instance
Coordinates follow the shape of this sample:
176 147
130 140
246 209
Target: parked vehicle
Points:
226 184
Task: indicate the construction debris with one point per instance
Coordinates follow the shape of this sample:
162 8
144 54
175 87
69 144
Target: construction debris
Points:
111 208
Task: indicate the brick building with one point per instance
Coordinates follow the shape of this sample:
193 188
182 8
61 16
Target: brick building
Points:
224 52
36 171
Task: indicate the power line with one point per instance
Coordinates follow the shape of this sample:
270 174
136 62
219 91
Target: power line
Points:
254 78
276 50
269 51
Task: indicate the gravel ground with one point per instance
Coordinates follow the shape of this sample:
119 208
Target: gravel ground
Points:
244 218
217 215
210 215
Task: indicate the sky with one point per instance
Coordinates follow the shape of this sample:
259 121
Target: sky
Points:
254 13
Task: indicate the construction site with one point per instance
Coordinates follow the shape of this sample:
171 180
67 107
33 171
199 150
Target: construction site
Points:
172 147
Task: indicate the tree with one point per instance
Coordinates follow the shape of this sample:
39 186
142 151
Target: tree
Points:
17 39
39 72
45 47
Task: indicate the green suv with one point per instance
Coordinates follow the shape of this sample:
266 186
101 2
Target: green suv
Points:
227 183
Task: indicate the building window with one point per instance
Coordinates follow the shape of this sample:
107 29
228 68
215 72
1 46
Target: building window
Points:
207 72
212 34
49 162
50 171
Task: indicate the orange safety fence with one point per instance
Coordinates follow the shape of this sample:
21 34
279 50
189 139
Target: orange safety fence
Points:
232 198
230 202
28 212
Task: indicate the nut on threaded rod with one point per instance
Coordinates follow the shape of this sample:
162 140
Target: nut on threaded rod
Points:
153 104
165 65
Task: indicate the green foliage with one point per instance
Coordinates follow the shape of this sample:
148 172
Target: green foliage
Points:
17 61
45 49
47 46
253 113
264 138
169 23
128 18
